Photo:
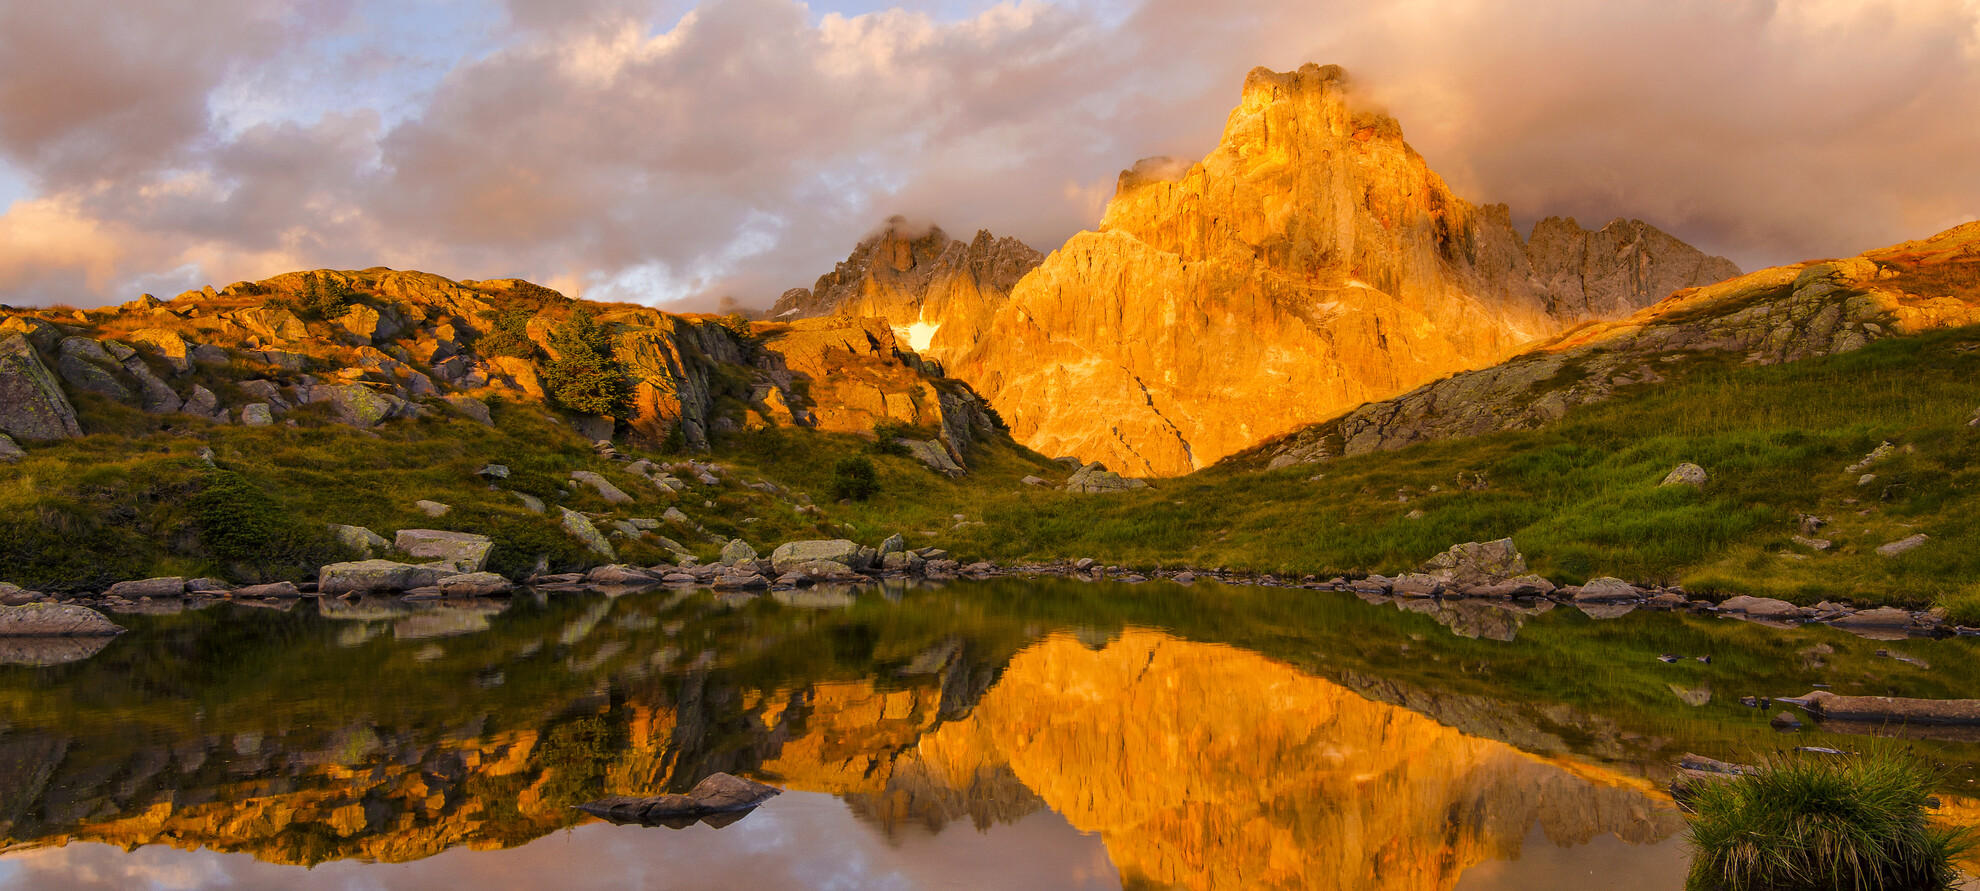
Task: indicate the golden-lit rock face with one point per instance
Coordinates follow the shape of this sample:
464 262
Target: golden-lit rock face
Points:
1206 767
1310 263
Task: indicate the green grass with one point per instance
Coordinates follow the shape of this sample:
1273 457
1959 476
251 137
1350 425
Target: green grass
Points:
1823 822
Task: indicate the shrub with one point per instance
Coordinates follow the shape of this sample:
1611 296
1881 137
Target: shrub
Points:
854 478
508 335
1823 823
322 299
240 525
586 377
885 433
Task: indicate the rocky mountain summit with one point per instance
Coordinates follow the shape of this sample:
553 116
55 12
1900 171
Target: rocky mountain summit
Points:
1312 262
1775 315
938 294
409 344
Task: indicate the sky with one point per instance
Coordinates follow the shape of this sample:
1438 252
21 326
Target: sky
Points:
674 153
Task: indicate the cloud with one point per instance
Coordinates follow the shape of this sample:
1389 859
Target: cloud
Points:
661 151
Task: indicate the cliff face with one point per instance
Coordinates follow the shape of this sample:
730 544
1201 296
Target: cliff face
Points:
1310 263
1775 315
938 294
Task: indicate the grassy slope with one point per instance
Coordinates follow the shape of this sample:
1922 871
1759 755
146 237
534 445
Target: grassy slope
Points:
1581 497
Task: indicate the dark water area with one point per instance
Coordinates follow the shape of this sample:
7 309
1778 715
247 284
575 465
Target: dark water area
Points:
1014 733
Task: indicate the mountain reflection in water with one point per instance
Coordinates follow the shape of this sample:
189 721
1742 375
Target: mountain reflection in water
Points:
980 736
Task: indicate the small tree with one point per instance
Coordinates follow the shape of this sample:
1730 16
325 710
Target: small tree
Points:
854 478
321 299
508 335
586 376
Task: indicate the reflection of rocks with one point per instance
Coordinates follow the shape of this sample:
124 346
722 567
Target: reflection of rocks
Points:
44 651
1489 619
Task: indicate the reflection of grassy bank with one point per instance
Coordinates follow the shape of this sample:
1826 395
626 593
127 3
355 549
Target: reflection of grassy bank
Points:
1824 822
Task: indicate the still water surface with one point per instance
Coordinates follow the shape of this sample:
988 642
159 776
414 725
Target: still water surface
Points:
1010 734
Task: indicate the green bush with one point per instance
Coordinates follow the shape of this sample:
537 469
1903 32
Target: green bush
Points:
508 335
854 478
322 299
242 526
885 432
586 377
1827 823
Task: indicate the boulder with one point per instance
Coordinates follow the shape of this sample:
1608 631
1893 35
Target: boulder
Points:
475 584
54 620
167 344
465 551
1094 478
10 451
617 574
166 586
580 528
493 472
257 414
155 396
741 582
1476 563
378 575
32 405
358 405
530 502
1892 709
1607 590
791 555
278 589
612 494
358 539
201 402
737 551
720 793
934 454
87 366
432 508
1761 607
1903 545
471 408
1881 617
900 561
1686 475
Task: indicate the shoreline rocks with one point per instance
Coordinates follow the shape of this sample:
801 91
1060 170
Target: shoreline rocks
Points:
55 620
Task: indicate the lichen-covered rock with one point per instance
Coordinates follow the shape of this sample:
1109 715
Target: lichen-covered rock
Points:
33 406
792 556
357 404
168 586
472 408
433 508
465 551
934 454
1904 545
1477 563
378 575
1094 478
1607 590
358 539
612 494
737 551
257 414
86 365
10 451
579 527
54 620
1686 475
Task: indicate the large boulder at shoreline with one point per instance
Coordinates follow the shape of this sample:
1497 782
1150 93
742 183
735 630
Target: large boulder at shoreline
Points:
1607 590
32 404
170 586
54 620
1476 563
789 556
467 551
378 575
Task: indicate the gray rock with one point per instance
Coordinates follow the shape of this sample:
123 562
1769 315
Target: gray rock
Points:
54 620
358 405
1035 481
737 551
10 451
533 503
155 395
432 508
1686 474
747 581
617 574
1903 545
493 472
465 551
1892 709
207 352
87 366
1877 456
378 575
201 402
475 584
33 406
257 414
471 408
580 528
278 590
901 561
266 391
1477 563
934 454
358 539
895 544
612 494
165 586
1095 478
1763 607
1607 590
1818 544
791 555
1881 617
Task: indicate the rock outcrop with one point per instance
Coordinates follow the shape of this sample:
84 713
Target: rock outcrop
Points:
938 294
1775 315
33 406
1310 263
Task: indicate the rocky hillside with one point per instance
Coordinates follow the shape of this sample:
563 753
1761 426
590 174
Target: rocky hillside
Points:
1776 315
938 294
1310 263
376 345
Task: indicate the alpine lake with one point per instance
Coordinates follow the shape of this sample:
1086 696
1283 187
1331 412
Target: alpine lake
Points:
1004 734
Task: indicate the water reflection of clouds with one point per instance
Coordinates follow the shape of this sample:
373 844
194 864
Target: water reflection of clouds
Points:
801 841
